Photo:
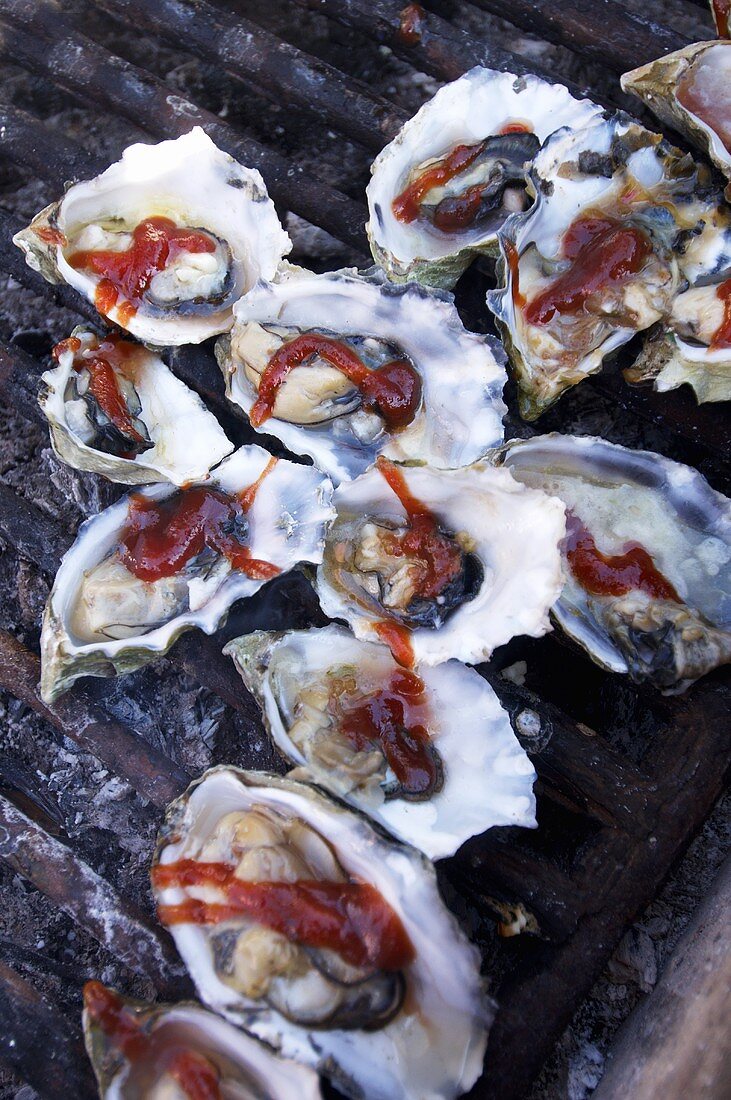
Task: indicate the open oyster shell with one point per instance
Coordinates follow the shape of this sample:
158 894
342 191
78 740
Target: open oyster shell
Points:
688 90
198 187
101 619
627 499
319 412
428 1042
637 190
486 777
508 577
170 1039
170 435
512 116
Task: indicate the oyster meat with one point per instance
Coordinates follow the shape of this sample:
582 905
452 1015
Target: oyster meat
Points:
648 556
163 560
430 756
115 409
441 564
164 241
300 922
343 368
598 257
442 188
143 1051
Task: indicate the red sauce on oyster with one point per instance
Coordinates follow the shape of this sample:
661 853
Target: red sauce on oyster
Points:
155 242
393 717
393 390
398 640
351 918
613 574
412 21
604 252
516 127
111 358
160 537
406 205
722 335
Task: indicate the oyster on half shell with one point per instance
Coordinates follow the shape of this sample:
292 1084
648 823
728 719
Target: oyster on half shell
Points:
448 765
115 409
392 1015
648 556
163 560
379 369
487 126
164 241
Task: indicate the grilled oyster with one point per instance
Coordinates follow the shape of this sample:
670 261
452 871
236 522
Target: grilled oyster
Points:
600 256
689 90
443 187
432 757
114 408
161 561
648 556
164 241
441 563
301 923
343 367
172 1052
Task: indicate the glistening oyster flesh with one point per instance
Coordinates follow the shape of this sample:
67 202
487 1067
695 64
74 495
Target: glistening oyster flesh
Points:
443 187
343 368
164 241
430 754
441 563
163 1052
388 1002
162 560
648 556
114 408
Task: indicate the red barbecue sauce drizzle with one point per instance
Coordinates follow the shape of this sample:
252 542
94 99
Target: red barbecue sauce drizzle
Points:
604 252
393 389
351 918
161 536
104 364
392 718
197 1077
412 21
722 335
155 241
615 574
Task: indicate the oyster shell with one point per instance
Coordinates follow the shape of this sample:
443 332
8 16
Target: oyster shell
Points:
310 683
151 427
481 566
161 1045
645 515
390 1034
225 236
103 619
498 121
689 90
456 406
598 257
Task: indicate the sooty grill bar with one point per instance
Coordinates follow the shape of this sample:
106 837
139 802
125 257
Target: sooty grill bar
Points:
611 822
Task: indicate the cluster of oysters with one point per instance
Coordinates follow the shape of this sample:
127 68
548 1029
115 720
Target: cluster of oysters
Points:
430 541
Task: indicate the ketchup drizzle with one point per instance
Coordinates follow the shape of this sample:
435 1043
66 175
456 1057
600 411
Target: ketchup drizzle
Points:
112 357
129 273
406 205
604 252
351 918
393 389
722 335
613 575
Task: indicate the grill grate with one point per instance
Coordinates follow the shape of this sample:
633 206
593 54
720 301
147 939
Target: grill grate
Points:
614 813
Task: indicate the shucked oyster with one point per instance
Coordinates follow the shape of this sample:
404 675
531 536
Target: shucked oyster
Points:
164 241
431 756
443 187
648 556
441 563
343 368
597 257
161 561
114 408
177 1052
300 922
